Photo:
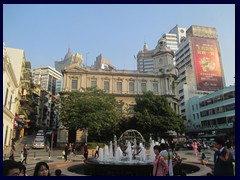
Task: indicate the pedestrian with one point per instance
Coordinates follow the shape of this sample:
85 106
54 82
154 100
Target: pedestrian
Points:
97 151
223 159
204 145
58 172
13 144
228 144
11 168
41 169
25 153
168 157
204 159
85 151
195 147
11 157
172 146
199 146
21 156
160 167
65 152
22 169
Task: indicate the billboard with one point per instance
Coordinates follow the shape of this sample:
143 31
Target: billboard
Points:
207 64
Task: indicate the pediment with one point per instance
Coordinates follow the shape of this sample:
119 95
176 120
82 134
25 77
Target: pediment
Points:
74 68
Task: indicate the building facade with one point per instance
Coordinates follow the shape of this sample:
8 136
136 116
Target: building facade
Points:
10 94
68 60
46 77
173 39
126 85
198 60
213 114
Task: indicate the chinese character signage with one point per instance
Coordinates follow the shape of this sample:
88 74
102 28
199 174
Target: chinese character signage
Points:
207 64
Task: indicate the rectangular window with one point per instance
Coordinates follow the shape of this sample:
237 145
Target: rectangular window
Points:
93 83
10 103
6 97
74 84
131 87
106 86
194 116
192 107
119 87
155 88
143 87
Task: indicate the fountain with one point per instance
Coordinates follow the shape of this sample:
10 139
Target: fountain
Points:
127 157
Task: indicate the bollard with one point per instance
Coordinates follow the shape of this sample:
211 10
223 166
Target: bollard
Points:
34 156
49 155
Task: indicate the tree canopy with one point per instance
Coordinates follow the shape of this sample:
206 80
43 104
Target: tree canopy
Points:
93 109
152 114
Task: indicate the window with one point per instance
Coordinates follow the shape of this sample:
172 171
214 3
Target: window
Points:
119 87
74 84
6 133
6 97
106 86
155 88
229 95
192 107
10 103
230 107
143 87
194 116
93 83
131 87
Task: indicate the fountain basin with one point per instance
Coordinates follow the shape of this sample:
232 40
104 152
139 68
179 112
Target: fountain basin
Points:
135 169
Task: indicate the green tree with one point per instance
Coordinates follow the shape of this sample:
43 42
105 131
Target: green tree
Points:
154 115
92 109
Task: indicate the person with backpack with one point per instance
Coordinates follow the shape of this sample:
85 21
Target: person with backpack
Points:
223 159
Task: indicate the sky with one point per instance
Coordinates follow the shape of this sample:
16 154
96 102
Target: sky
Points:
118 32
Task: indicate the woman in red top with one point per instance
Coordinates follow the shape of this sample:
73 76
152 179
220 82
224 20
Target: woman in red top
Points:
160 167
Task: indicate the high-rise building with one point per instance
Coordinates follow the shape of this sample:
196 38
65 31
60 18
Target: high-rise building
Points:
173 40
46 77
198 60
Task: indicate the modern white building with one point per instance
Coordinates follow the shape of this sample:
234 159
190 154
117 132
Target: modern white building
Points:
198 60
46 77
12 64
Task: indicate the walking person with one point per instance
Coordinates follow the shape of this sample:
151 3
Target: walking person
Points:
21 156
195 147
97 151
65 152
41 169
25 153
168 157
11 157
160 167
223 159
85 151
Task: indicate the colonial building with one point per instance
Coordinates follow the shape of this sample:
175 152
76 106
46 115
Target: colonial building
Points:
10 92
125 84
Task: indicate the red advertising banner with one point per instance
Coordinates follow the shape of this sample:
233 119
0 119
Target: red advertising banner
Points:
207 64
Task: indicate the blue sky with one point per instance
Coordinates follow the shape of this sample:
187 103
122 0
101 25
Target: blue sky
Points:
117 31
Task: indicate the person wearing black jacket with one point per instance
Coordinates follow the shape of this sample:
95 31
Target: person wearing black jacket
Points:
223 159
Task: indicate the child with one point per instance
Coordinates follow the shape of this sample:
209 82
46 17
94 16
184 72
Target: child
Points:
21 156
204 159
